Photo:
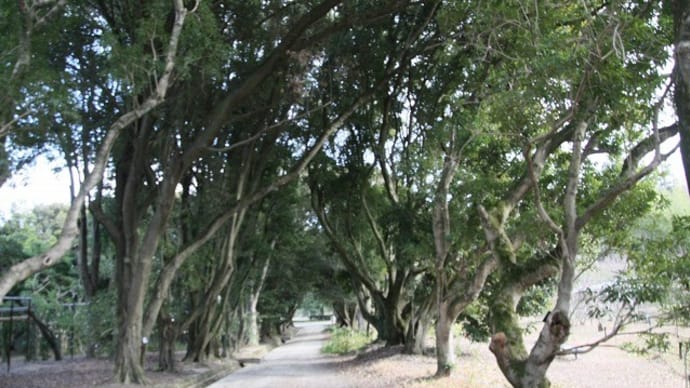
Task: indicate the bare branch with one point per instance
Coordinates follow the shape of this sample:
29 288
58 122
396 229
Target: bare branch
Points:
646 146
380 152
268 128
537 196
619 323
622 186
385 254
466 293
31 22
500 244
6 127
109 225
569 239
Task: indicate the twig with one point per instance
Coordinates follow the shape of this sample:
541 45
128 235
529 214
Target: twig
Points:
266 129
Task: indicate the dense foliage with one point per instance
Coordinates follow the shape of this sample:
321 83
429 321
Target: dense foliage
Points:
411 163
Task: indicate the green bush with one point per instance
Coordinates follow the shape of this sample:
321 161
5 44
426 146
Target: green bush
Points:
344 341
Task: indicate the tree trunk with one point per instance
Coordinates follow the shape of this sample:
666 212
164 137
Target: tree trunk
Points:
83 257
394 327
389 307
416 340
5 171
128 367
270 329
520 368
254 300
240 337
418 328
445 349
253 327
507 344
168 335
205 314
205 328
530 372
681 21
441 228
131 292
198 348
342 318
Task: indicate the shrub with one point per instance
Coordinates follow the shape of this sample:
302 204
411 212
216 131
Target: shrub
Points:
344 341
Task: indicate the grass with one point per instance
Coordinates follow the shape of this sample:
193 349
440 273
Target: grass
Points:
344 341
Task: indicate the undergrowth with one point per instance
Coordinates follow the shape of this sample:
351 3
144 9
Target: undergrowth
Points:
345 341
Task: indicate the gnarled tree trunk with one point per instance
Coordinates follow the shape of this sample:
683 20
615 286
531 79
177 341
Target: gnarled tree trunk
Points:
507 344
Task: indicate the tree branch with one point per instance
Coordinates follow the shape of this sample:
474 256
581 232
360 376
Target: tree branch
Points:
385 254
543 214
622 186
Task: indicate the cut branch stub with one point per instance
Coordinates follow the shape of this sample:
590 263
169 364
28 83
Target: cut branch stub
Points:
559 326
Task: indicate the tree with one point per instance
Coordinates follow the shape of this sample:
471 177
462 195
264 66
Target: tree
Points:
136 252
379 271
583 192
20 75
448 145
21 271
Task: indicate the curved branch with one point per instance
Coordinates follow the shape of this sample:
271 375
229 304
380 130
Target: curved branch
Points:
586 348
646 146
612 194
543 214
385 254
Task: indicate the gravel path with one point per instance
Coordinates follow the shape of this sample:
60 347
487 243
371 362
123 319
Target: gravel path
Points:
297 364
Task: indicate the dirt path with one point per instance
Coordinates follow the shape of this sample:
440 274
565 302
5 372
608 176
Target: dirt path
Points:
298 363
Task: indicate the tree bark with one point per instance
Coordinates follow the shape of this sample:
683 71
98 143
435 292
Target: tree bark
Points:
507 344
168 335
681 21
128 366
420 321
254 300
416 340
445 347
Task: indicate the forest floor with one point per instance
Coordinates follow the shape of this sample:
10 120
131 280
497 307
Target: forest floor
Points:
82 372
606 366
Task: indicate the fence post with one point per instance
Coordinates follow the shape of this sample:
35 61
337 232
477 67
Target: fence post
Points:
8 345
28 353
